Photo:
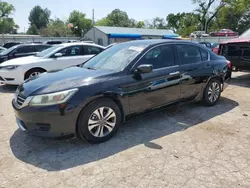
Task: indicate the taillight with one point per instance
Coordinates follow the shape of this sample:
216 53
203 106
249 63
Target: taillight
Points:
229 64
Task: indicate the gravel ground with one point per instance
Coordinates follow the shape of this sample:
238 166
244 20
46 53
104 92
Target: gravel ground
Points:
185 146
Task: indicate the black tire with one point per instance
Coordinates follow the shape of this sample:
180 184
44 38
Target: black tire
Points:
207 96
32 71
88 112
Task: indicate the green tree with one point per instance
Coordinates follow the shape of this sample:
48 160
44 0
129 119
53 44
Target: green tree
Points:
140 24
102 22
39 18
7 24
183 23
81 24
159 23
56 28
235 15
207 10
118 18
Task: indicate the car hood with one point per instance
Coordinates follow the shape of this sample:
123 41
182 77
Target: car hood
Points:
60 80
22 60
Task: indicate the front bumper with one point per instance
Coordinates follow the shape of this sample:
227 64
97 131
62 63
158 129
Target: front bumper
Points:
49 121
13 77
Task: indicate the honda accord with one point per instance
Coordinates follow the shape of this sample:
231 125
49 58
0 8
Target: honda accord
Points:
91 100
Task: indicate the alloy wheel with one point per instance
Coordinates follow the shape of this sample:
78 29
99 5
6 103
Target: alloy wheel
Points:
33 74
102 122
213 92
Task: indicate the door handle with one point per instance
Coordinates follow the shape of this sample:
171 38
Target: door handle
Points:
174 73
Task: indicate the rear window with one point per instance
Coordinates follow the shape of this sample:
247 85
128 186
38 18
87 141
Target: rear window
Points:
235 50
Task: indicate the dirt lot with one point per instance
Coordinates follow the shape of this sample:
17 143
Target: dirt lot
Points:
186 146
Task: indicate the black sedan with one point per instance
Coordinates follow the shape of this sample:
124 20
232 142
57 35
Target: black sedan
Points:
22 50
130 78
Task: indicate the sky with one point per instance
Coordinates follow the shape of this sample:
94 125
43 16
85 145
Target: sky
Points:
136 9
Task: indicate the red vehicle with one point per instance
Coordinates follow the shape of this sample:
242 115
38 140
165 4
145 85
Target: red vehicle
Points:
215 49
224 33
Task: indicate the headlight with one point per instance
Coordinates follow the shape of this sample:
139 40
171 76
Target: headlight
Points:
10 67
52 98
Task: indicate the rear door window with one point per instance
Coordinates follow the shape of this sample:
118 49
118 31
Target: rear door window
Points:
71 51
188 54
40 48
25 49
204 54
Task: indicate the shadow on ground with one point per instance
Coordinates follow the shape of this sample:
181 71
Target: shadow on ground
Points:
7 88
241 80
56 155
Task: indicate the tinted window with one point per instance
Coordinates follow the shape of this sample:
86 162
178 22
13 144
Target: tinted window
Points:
204 54
188 54
25 49
40 48
91 50
71 51
159 57
54 42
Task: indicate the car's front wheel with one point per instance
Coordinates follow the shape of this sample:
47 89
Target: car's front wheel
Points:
33 72
99 121
212 92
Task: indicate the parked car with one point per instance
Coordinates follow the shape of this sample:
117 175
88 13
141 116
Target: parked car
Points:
21 50
130 78
224 33
11 44
2 49
14 72
237 51
198 34
53 42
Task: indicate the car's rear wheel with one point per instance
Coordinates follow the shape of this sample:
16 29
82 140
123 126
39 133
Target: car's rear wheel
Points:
212 92
99 121
33 72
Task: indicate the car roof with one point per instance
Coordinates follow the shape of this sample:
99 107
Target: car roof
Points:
31 44
80 43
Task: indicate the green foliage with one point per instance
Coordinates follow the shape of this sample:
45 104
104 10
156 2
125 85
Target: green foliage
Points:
7 24
39 18
56 28
183 23
81 24
140 24
32 30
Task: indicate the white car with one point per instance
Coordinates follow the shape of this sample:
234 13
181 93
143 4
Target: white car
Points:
14 72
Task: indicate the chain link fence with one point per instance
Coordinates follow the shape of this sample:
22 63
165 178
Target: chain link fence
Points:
32 38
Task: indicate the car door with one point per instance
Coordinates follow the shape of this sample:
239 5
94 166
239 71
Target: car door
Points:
158 88
23 51
72 55
194 69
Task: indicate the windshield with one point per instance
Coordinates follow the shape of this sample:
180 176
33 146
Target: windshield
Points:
246 34
5 52
115 58
48 51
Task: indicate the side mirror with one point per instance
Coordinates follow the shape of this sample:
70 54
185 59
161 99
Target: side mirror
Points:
58 55
144 68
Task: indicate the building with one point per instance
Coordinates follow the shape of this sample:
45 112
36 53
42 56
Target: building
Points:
107 35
